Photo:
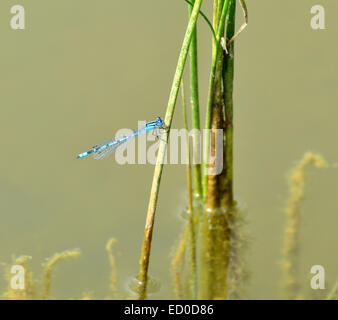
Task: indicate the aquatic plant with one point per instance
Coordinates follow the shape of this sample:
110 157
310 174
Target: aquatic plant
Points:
33 288
212 192
113 277
49 266
40 289
297 183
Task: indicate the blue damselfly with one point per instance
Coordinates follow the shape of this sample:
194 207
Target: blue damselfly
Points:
107 148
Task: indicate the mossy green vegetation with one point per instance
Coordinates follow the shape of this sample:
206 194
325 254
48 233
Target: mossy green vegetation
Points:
35 288
297 183
41 288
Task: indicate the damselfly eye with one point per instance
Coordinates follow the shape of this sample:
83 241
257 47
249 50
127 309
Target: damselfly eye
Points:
159 121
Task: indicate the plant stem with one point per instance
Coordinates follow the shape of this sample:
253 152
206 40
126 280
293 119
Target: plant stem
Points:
215 241
218 11
228 78
145 252
195 109
215 15
215 62
213 197
215 248
191 3
185 120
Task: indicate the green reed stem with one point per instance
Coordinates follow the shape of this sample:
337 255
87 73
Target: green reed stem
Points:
215 15
195 110
218 5
191 4
145 251
228 80
215 227
215 231
216 56
185 121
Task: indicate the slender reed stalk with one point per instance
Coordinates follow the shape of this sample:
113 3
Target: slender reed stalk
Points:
215 17
243 26
191 3
238 272
215 73
227 199
195 108
213 197
217 189
145 251
185 120
215 232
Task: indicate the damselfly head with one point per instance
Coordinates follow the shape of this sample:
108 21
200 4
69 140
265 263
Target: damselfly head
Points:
160 122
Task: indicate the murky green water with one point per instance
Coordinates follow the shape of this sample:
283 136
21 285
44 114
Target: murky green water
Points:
80 71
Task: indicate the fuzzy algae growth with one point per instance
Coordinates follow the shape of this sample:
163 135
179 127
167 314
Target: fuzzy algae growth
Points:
49 266
297 183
